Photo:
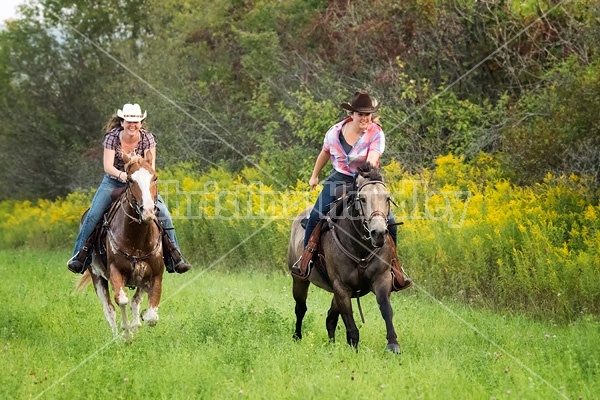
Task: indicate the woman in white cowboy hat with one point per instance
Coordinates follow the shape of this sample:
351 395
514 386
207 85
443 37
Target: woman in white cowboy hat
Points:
125 134
348 145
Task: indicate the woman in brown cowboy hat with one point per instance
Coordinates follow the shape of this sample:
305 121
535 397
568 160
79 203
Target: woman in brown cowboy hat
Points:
348 144
125 134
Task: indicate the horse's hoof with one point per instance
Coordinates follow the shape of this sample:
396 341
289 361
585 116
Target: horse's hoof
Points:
127 335
393 347
150 317
297 336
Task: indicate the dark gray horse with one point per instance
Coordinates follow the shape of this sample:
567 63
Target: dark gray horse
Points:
356 250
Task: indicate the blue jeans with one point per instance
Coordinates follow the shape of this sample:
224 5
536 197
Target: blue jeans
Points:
328 196
101 202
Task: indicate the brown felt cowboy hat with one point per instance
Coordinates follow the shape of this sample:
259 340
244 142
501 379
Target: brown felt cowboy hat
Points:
361 102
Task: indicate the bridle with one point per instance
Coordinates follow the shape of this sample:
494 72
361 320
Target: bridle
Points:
358 203
363 229
129 198
133 203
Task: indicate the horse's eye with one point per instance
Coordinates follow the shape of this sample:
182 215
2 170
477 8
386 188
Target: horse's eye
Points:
362 199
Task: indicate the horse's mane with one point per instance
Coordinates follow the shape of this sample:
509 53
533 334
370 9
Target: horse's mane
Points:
370 172
135 159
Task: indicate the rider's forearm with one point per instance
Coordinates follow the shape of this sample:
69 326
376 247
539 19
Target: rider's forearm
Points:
322 160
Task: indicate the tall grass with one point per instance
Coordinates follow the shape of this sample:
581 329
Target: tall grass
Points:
469 233
225 335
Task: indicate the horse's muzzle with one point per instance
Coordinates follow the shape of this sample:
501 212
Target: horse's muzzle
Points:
378 230
378 238
147 215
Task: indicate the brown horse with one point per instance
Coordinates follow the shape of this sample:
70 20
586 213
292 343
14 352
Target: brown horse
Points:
357 254
134 256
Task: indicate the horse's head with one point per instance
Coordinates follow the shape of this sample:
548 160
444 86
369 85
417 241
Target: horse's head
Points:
141 183
373 203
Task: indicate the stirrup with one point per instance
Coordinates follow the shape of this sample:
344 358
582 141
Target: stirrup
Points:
297 272
396 285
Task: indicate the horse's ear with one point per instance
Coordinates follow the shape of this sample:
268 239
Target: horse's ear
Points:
359 181
126 158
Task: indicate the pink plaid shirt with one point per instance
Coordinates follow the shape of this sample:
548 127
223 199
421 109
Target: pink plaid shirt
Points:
372 139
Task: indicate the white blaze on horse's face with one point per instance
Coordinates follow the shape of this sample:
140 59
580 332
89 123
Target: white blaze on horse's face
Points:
144 180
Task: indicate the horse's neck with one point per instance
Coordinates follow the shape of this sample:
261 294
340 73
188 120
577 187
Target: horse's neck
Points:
350 233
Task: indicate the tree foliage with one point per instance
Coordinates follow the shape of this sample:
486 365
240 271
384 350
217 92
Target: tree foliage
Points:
237 83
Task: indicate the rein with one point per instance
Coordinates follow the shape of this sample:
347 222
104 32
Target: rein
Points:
126 197
362 262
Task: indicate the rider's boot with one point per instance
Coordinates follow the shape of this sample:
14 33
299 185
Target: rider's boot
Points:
82 259
174 261
301 268
399 279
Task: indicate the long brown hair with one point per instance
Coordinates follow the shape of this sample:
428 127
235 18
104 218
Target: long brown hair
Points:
113 122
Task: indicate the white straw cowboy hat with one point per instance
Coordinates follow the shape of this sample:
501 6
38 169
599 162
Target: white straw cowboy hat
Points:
361 102
132 113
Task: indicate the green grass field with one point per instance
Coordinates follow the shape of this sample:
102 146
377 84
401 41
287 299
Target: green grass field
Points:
223 336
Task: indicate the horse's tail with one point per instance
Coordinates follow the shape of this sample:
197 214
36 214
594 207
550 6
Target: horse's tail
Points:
84 281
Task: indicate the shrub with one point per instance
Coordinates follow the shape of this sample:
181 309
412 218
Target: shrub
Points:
468 232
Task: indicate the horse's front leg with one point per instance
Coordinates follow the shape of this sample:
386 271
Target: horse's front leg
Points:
343 300
300 292
383 299
101 287
331 322
136 303
154 293
121 298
